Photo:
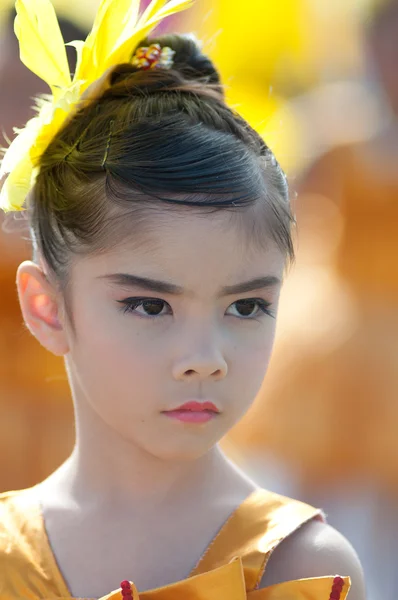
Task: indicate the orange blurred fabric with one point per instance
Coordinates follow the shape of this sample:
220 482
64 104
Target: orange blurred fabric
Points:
362 179
230 569
36 425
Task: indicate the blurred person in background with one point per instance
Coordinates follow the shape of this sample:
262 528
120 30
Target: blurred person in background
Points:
36 418
361 181
350 193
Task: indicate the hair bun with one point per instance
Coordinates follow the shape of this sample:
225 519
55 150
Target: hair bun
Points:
189 64
188 59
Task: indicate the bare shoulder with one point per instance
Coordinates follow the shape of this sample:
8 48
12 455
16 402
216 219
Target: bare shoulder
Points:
315 550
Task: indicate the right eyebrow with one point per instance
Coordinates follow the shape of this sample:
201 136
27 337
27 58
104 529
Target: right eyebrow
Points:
152 285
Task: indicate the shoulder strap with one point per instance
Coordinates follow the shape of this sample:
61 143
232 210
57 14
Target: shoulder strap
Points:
253 531
24 549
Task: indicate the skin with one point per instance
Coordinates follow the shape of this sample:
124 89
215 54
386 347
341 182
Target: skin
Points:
135 476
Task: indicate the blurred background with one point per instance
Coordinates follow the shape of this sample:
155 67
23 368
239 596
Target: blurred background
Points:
319 80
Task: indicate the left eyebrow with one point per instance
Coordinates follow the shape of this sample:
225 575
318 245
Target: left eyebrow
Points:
259 283
164 287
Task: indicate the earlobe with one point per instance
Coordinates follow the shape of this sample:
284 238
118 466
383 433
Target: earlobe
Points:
40 308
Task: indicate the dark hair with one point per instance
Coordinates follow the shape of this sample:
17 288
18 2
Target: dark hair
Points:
154 137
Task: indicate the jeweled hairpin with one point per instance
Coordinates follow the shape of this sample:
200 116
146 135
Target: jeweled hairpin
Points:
153 57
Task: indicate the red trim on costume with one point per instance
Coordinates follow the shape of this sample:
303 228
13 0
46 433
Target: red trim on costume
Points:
127 594
337 588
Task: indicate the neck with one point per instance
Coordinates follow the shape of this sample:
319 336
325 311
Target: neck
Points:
133 478
105 470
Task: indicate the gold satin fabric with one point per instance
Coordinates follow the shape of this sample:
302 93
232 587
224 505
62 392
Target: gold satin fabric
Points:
230 569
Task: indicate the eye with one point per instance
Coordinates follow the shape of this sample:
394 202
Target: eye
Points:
248 308
145 307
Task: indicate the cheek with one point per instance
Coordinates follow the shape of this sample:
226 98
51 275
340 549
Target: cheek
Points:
112 355
249 362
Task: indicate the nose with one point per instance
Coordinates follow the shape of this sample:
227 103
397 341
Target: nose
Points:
206 361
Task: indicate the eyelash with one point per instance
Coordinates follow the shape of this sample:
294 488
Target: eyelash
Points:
130 304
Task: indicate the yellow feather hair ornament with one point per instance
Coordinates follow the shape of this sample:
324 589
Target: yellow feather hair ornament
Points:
118 28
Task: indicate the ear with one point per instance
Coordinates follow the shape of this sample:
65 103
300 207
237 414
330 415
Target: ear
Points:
40 308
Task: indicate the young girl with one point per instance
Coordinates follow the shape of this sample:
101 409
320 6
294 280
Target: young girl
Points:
160 225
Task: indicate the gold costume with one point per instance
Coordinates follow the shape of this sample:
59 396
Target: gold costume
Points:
230 569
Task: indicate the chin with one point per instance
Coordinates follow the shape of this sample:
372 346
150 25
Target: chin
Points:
174 452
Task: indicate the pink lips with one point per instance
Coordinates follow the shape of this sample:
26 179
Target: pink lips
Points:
194 412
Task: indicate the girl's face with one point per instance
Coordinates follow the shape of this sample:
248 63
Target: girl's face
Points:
187 315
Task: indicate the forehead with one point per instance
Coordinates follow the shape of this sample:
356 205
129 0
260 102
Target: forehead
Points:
190 249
